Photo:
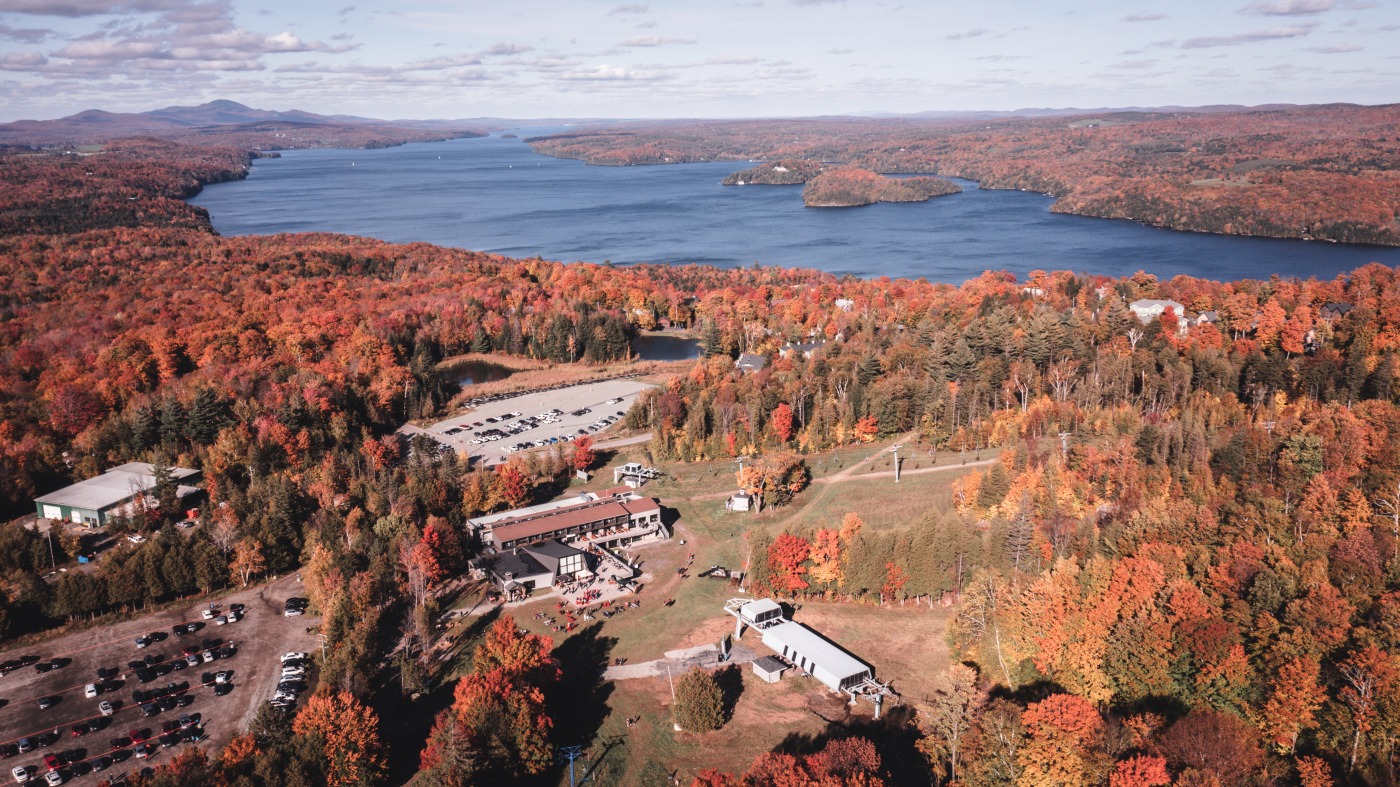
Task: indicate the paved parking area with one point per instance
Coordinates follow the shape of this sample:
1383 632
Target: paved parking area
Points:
595 398
259 639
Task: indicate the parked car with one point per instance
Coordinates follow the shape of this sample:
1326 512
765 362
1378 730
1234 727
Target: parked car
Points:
47 702
53 778
21 773
105 708
293 656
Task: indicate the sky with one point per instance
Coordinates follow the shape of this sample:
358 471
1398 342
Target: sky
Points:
673 58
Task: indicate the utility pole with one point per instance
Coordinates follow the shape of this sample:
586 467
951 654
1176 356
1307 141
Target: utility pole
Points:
896 463
674 724
571 753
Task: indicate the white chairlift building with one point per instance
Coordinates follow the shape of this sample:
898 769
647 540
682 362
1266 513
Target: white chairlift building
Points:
807 650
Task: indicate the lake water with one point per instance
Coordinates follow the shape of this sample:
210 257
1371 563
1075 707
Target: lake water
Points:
653 347
494 194
467 373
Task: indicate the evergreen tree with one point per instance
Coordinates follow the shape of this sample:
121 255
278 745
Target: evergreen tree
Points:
172 421
699 702
207 416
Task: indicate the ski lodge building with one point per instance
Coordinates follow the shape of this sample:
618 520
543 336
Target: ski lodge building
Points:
611 518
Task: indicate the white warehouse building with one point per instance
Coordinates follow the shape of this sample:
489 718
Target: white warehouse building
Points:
805 648
799 645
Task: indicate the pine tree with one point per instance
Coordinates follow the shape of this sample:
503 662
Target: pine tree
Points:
206 417
699 702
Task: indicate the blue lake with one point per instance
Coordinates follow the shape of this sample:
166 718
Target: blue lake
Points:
494 194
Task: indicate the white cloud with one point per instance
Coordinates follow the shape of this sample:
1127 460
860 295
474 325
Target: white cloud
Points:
1271 34
1335 49
21 61
650 41
1289 7
629 9
1144 17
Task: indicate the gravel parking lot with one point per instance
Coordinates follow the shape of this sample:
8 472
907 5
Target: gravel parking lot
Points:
599 400
258 640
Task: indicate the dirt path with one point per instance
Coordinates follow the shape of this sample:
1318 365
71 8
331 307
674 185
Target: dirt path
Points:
849 474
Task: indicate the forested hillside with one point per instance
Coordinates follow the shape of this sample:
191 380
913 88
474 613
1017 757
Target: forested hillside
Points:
1182 568
1324 172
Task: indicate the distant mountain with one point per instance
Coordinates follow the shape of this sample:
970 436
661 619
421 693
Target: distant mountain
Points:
1034 112
224 119
224 112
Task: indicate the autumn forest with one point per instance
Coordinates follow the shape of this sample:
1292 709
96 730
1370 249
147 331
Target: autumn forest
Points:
1175 560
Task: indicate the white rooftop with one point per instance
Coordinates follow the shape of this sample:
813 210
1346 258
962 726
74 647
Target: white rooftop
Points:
815 647
752 610
586 497
112 487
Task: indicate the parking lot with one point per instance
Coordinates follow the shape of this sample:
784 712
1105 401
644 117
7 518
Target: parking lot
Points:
498 429
187 701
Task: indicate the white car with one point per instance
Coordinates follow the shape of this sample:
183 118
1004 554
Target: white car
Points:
220 620
293 672
20 773
53 778
136 538
207 614
105 708
293 656
90 691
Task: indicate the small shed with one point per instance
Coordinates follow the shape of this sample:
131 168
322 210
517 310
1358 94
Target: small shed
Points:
739 502
769 669
761 613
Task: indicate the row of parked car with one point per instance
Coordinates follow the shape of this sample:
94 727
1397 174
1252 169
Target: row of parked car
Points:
292 682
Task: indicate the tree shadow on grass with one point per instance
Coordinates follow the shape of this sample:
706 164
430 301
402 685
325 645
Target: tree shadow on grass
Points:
894 736
578 704
731 685
408 722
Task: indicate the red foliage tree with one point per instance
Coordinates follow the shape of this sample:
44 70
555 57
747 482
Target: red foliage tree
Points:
781 422
584 455
785 558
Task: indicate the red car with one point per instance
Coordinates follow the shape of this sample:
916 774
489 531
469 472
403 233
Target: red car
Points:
137 736
51 762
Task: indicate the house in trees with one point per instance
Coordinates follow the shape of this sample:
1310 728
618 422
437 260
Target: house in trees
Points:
741 501
1334 311
1149 309
748 362
120 490
805 349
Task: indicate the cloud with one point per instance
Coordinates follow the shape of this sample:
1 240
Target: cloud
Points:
976 32
1144 17
1271 34
22 61
816 2
649 41
24 35
505 48
1289 7
1000 58
606 73
629 9
733 61
346 11
77 8
1135 64
839 51
1335 49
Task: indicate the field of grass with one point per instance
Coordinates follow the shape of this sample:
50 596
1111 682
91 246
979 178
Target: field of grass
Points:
904 644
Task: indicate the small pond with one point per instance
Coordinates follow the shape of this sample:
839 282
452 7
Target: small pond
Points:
651 347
